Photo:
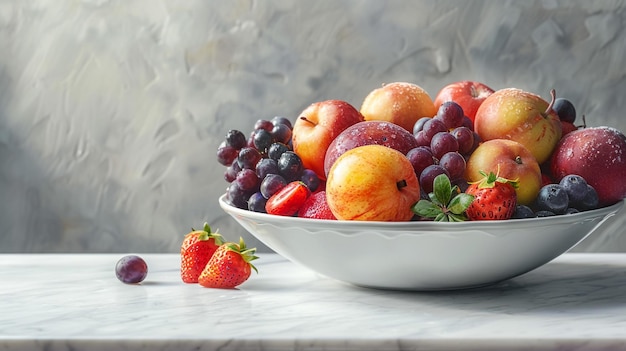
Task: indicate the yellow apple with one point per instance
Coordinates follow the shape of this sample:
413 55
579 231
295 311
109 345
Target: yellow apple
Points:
521 116
372 183
511 160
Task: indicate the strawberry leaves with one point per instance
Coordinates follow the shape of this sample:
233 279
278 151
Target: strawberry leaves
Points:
447 203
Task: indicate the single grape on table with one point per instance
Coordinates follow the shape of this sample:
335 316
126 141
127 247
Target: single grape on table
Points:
131 269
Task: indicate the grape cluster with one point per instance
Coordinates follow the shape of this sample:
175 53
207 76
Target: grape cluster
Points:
445 142
261 164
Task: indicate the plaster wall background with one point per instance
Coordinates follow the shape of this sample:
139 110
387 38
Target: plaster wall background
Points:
111 111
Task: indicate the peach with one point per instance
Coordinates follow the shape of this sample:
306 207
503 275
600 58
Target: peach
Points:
400 103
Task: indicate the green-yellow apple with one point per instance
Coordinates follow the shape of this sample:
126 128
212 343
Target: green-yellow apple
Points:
317 126
400 103
511 160
369 132
520 116
372 183
468 94
597 154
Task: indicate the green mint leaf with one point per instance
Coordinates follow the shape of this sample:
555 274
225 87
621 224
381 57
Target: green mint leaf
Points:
460 203
441 217
426 208
442 188
433 198
456 217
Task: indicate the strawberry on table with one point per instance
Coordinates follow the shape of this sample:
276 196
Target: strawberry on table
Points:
494 198
195 252
229 267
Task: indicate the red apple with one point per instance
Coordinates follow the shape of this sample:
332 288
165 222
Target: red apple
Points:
372 183
597 154
367 133
400 103
520 116
318 125
510 160
468 94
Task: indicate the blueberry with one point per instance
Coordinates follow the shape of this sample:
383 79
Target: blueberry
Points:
571 210
576 188
543 213
523 211
553 198
590 200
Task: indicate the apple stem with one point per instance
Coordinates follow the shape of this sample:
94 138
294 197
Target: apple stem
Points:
553 95
305 119
401 184
518 160
473 92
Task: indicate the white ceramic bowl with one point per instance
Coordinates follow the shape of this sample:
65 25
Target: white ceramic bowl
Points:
421 255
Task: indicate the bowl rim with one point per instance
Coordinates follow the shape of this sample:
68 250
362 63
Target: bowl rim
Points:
422 225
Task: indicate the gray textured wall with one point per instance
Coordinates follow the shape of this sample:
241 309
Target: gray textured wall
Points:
111 111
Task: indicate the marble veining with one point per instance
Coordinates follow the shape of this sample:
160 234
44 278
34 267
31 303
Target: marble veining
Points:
66 302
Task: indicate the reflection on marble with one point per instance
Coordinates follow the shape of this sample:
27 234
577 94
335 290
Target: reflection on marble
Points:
66 302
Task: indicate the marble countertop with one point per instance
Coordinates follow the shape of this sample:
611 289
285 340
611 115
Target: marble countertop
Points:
69 302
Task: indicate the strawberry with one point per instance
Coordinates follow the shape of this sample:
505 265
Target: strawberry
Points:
288 200
195 252
316 206
229 267
494 198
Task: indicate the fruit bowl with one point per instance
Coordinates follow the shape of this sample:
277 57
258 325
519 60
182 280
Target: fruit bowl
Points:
421 255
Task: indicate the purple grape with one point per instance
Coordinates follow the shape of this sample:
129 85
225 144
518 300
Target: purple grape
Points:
420 157
465 137
276 150
236 139
310 179
235 196
263 124
290 166
247 180
271 184
131 269
451 114
428 177
262 140
281 120
421 139
419 124
226 154
442 143
257 203
565 109
249 157
467 123
432 127
230 174
266 166
454 163
281 133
